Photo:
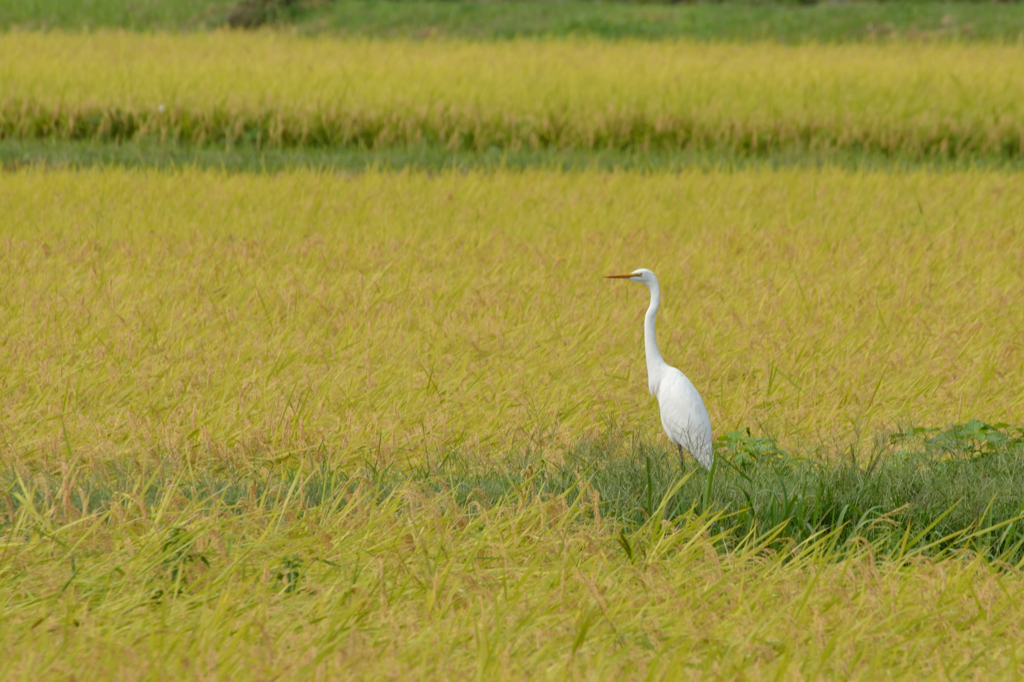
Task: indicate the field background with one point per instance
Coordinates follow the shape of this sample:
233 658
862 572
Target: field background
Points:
308 368
257 315
914 101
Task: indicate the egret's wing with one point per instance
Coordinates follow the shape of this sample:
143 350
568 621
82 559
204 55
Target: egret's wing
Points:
685 418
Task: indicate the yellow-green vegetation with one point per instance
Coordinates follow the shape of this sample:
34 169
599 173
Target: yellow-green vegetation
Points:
275 89
423 587
354 426
251 318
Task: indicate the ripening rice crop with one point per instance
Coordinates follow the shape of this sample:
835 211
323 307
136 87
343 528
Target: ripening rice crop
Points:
413 587
260 316
275 89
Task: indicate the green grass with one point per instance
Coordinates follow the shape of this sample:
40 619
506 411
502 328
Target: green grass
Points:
733 21
741 22
930 491
146 15
19 153
248 578
596 565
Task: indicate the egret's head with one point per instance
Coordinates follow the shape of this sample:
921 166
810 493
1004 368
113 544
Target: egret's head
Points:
641 276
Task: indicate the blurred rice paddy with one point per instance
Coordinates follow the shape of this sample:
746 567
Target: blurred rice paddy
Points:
275 90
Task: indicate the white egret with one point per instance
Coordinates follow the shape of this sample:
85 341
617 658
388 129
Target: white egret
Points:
683 415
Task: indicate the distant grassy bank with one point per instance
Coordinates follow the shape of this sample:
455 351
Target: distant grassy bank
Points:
790 22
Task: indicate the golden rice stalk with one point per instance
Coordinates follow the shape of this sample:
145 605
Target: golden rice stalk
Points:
273 89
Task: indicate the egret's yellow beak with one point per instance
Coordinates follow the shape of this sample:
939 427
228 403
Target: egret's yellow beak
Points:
625 276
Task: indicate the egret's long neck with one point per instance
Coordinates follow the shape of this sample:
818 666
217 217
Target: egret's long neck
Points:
655 363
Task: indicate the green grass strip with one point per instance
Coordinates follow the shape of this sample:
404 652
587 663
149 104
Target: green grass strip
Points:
20 153
790 22
929 501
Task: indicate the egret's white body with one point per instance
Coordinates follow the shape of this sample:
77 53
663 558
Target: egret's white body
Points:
683 415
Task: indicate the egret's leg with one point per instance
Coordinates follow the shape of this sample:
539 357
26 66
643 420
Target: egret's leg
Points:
682 459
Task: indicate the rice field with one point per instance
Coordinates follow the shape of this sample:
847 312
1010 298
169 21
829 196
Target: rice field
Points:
417 586
274 90
378 424
251 316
